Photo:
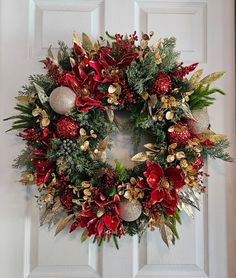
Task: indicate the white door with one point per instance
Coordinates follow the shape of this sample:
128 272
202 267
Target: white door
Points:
205 33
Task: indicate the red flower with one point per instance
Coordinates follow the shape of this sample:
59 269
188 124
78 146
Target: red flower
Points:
101 218
66 199
164 184
84 104
42 166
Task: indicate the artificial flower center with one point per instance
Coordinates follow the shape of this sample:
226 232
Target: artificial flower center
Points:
165 183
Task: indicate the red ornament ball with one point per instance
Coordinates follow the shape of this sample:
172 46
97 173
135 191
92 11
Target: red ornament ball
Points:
179 133
162 84
66 128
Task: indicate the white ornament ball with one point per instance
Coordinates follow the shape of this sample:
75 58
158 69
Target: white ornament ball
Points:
62 100
201 122
128 211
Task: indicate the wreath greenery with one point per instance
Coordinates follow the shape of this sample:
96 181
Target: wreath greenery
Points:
67 117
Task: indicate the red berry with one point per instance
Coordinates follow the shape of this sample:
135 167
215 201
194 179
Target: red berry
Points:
66 199
198 163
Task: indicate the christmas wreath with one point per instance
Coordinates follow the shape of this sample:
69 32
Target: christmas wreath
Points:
67 119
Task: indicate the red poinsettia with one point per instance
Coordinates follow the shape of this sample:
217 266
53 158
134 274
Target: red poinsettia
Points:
84 103
101 218
164 184
42 166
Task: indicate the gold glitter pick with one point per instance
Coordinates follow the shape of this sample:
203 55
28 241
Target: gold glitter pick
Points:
27 178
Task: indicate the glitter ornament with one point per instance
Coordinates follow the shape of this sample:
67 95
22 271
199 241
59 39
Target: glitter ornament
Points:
128 211
201 122
198 163
66 128
62 100
162 84
179 133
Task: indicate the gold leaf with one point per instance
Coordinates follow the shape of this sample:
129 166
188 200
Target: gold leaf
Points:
167 235
212 136
85 184
112 89
87 44
51 213
145 95
63 223
36 112
76 39
212 77
27 178
102 146
87 192
170 158
50 54
143 156
72 62
110 115
180 155
59 56
153 100
84 235
45 122
150 146
100 212
186 110
41 93
196 77
169 115
25 99
188 209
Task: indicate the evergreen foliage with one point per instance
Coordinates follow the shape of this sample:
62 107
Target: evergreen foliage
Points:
202 97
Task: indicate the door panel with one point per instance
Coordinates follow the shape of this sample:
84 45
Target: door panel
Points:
28 27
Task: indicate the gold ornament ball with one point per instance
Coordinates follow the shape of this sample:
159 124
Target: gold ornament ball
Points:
62 100
201 122
128 211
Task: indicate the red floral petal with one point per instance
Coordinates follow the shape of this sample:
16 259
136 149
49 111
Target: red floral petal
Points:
111 222
153 180
174 175
156 196
100 227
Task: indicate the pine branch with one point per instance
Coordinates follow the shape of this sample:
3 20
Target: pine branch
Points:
64 60
217 151
141 74
201 97
168 54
